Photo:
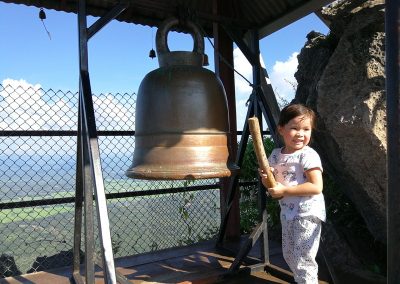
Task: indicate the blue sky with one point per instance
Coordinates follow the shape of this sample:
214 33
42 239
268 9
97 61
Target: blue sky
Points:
118 54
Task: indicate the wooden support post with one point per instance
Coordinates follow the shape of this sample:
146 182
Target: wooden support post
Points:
224 47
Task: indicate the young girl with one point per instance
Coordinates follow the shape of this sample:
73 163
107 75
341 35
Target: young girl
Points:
298 172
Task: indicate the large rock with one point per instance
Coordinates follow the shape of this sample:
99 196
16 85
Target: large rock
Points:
342 77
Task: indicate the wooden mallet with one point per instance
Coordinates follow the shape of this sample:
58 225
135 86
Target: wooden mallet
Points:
260 151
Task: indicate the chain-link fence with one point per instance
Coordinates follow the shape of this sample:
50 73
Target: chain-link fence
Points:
38 143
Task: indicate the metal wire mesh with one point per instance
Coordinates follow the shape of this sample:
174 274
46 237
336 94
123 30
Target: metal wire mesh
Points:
38 145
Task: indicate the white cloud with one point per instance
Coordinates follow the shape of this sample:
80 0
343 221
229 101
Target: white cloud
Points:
242 87
25 106
111 113
19 101
281 78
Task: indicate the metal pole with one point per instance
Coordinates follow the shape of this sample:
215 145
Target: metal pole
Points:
92 160
255 48
78 200
392 29
88 203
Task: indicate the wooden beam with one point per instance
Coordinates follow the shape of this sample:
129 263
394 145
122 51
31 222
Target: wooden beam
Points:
292 16
224 48
319 14
103 21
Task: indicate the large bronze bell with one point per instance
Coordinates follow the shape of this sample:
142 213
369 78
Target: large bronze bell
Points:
181 120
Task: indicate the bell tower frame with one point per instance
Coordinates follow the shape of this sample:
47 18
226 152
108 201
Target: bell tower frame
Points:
89 177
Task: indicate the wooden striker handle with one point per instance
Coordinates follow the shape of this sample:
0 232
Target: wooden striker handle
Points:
260 152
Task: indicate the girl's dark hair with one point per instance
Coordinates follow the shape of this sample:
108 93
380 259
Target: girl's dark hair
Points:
293 110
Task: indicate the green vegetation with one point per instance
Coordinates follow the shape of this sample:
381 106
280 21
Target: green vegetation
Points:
189 237
249 212
32 213
50 195
138 225
249 167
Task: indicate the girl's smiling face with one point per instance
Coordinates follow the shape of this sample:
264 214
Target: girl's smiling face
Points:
296 133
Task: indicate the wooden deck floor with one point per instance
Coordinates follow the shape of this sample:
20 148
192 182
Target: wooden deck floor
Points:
197 264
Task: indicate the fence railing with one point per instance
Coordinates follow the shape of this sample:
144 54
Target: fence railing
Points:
38 142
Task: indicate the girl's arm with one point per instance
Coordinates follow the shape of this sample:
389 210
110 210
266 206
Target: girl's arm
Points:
312 186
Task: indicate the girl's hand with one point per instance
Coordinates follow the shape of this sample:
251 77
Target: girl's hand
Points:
275 192
264 175
278 191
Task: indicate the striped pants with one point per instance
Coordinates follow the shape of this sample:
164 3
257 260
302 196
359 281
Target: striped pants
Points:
300 242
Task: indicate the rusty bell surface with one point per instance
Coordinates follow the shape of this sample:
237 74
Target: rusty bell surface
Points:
181 119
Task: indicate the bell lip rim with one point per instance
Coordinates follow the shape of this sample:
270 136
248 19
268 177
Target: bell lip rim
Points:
229 171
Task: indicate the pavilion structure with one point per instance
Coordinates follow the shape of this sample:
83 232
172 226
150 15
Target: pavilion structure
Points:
241 22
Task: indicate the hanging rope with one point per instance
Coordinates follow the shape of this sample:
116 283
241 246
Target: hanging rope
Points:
42 17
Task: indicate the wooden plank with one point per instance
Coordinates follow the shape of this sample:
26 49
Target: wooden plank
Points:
59 276
197 264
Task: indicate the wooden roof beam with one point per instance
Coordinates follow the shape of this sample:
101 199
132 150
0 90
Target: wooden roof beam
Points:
292 16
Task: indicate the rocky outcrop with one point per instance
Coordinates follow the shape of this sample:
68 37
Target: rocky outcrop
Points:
343 265
342 77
